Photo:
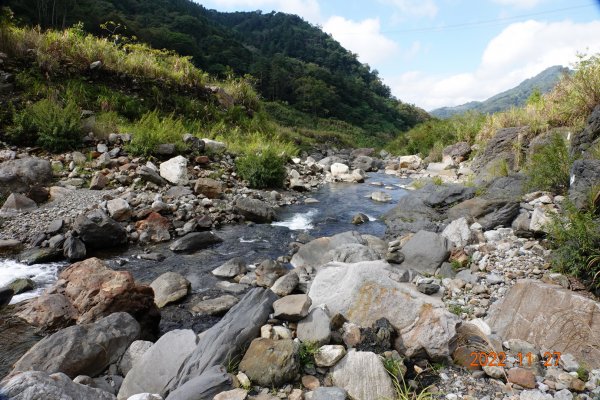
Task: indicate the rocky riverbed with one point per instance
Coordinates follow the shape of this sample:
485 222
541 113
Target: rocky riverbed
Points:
202 288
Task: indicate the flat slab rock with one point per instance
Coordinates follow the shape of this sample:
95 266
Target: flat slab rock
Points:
363 376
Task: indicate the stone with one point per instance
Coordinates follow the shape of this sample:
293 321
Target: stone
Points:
6 295
235 394
214 146
159 364
326 393
216 306
381 197
212 382
564 321
317 252
489 213
413 162
192 242
500 148
148 174
18 176
86 349
225 340
425 252
494 372
286 284
310 382
87 291
411 214
541 218
118 209
170 287
232 268
38 255
585 175
155 227
166 149
255 210
17 203
38 385
568 362
175 171
230 287
458 232
10 246
270 362
359 219
329 355
338 169
292 308
208 187
21 285
363 376
268 272
366 292
534 395
98 231
522 377
315 327
99 181
133 354
146 396
456 153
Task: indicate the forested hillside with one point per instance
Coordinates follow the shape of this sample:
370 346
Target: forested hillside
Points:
293 63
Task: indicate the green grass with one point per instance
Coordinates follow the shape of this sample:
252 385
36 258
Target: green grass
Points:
306 353
403 391
549 167
152 130
437 180
262 169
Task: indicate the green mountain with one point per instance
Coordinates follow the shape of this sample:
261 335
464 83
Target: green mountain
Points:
515 97
303 73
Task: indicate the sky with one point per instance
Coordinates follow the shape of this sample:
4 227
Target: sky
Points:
436 53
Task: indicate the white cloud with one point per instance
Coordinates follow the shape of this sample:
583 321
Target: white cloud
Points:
414 8
520 51
363 38
519 3
308 9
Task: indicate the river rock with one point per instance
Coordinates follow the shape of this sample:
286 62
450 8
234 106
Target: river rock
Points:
195 241
18 176
286 284
17 203
37 385
21 285
585 175
293 307
86 349
210 188
118 209
425 252
213 381
74 249
217 306
541 218
133 354
363 376
365 163
214 145
235 394
255 210
175 171
232 268
456 153
365 292
327 162
87 291
350 253
315 327
326 393
564 321
270 362
6 295
411 214
458 232
159 365
413 162
339 169
329 355
268 272
148 174
522 377
316 252
359 219
10 246
489 213
381 197
155 228
169 288
98 231
99 181
226 340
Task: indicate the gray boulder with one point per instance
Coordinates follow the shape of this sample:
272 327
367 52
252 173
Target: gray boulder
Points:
6 295
17 203
440 197
226 340
216 306
98 231
363 376
82 349
315 327
412 214
319 251
365 163
195 241
286 284
38 385
159 364
499 149
133 354
255 210
270 362
456 153
204 387
74 249
20 175
583 140
231 268
425 252
327 162
169 287
489 213
293 307
585 175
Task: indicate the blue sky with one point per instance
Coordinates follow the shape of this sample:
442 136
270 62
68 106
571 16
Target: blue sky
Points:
446 52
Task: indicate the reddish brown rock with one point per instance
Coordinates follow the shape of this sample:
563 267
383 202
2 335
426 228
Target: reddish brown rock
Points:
522 377
211 188
155 227
87 291
202 160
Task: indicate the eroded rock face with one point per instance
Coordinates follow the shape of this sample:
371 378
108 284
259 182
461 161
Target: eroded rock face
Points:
365 292
585 175
549 317
87 291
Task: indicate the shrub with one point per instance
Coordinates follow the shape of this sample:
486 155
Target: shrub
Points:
262 169
49 124
152 130
107 123
575 238
549 167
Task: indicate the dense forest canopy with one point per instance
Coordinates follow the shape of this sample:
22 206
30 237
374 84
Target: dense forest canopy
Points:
293 62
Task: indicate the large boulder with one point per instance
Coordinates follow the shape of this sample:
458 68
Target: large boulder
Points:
17 203
363 376
327 162
582 141
442 197
412 214
87 291
549 317
6 295
413 162
365 292
456 153
585 176
159 364
175 171
347 246
20 175
489 213
155 228
425 252
86 349
270 362
255 210
226 340
365 163
458 232
98 231
37 385
195 241
498 150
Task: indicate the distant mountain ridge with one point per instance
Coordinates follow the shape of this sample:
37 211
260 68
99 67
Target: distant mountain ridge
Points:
517 96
